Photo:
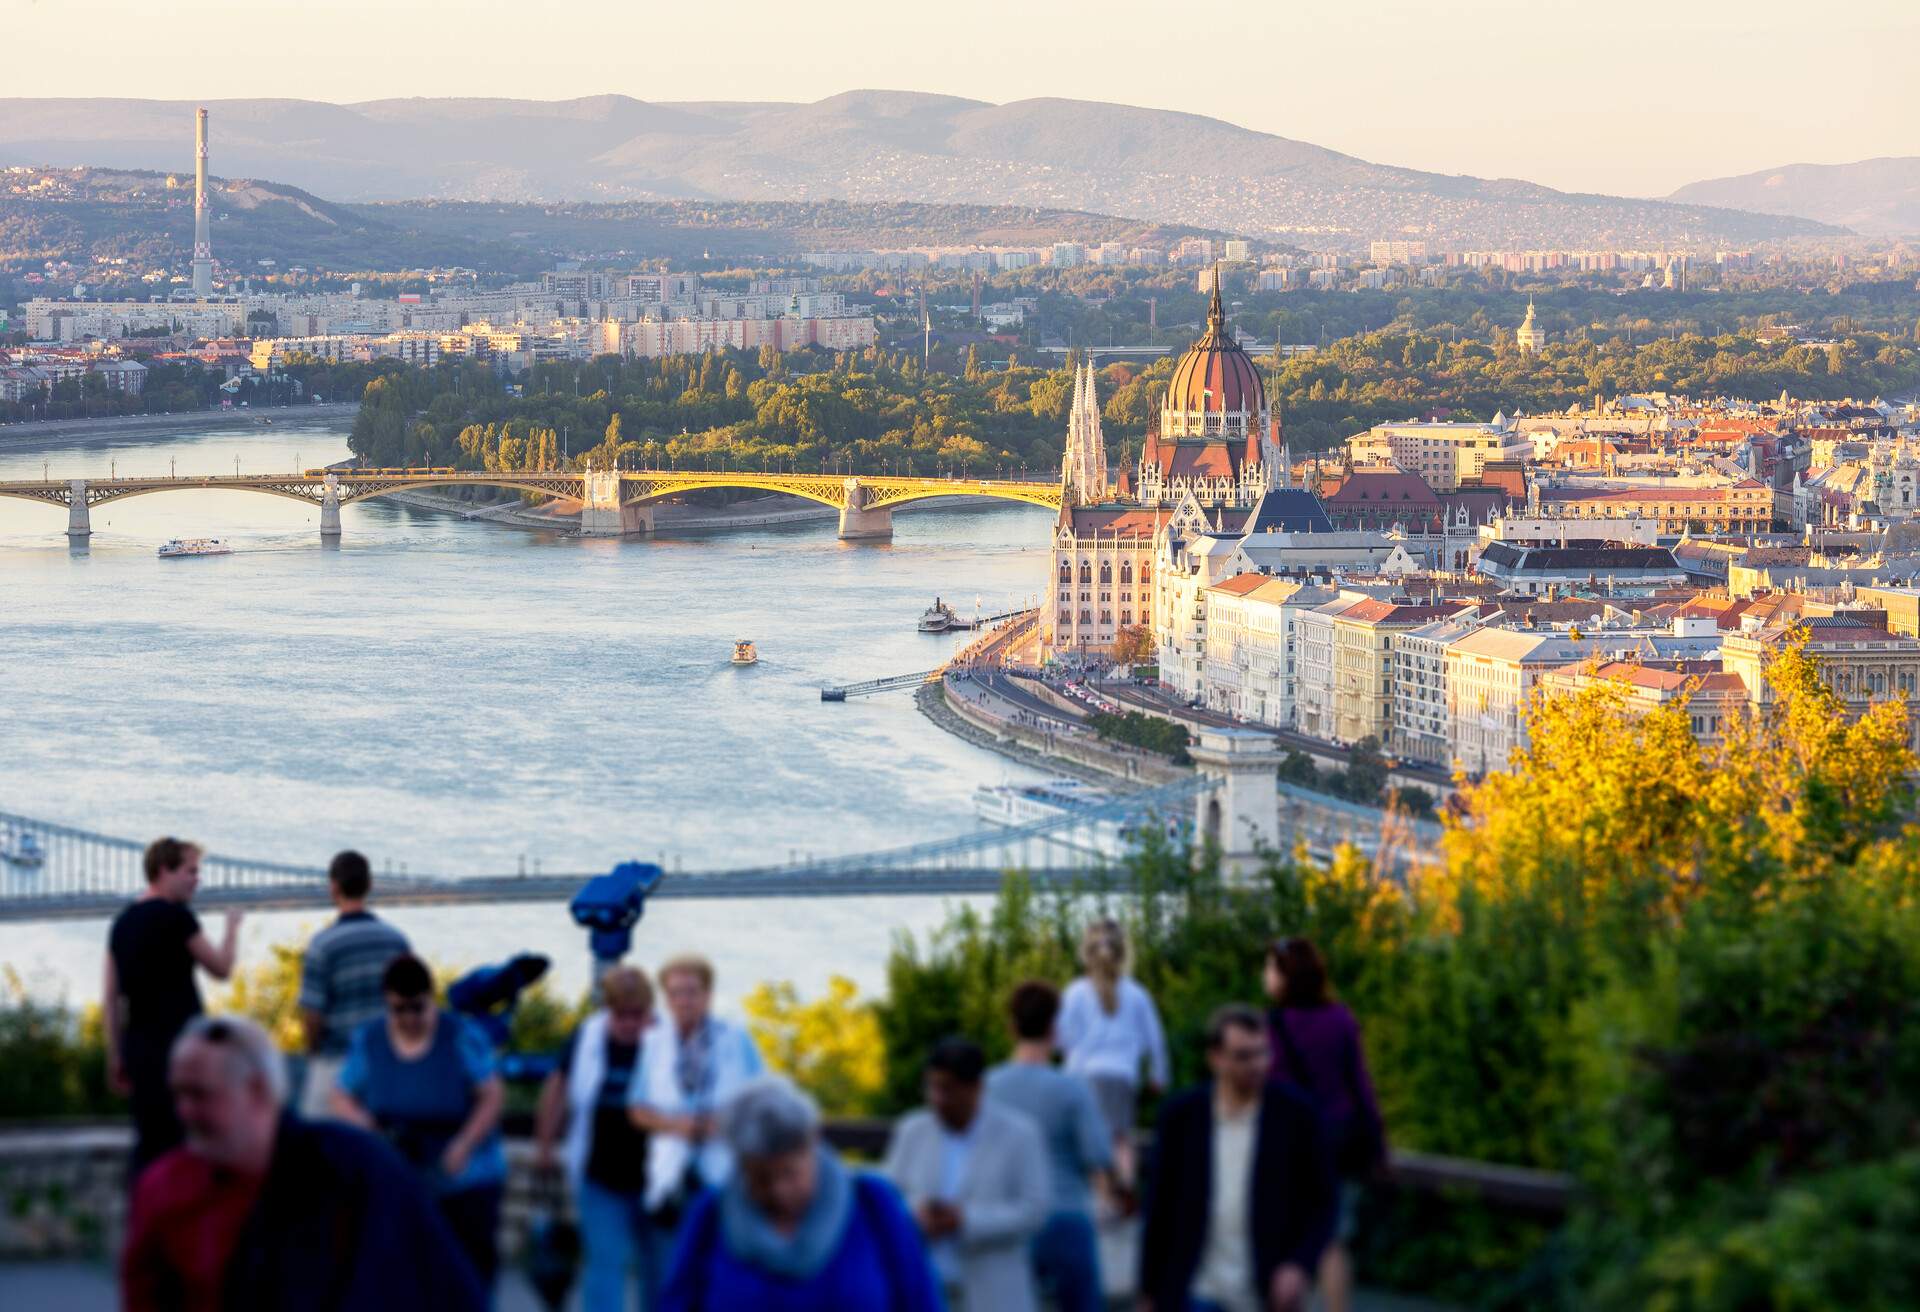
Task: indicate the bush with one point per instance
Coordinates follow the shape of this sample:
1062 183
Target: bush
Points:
1155 733
1688 975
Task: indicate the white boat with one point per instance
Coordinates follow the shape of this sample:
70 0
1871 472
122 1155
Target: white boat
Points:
938 618
194 547
745 653
1021 804
1103 836
19 847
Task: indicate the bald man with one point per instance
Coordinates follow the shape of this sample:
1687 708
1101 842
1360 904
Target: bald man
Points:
261 1209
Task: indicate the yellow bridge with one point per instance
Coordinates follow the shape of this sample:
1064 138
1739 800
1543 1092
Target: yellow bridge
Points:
613 503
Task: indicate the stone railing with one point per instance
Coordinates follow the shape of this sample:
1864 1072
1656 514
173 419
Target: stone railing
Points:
63 1188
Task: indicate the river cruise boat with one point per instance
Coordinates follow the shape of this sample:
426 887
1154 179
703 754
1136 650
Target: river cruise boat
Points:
938 618
744 653
1021 804
18 847
194 547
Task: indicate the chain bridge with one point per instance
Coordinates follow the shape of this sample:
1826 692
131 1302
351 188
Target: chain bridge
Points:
80 874
614 503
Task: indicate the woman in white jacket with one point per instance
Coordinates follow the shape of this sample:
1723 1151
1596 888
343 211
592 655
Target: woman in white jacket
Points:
1108 1029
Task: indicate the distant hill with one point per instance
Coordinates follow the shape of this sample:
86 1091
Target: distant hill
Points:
878 146
1874 195
146 219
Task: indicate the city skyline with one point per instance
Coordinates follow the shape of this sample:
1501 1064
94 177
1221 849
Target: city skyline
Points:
1524 91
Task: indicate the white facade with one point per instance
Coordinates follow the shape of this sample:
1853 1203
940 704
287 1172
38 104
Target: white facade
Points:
1444 455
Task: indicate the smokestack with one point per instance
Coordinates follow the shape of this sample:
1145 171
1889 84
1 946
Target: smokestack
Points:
202 238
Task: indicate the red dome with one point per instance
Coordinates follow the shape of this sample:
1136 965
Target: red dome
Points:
1215 374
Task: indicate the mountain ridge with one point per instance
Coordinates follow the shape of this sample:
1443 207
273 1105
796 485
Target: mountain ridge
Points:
1879 195
868 145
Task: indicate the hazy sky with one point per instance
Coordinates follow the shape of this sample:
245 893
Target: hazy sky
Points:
1625 96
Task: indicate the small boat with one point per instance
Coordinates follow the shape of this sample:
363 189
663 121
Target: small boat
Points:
19 847
194 547
744 653
938 618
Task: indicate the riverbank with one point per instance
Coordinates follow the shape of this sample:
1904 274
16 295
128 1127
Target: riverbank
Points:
1118 770
116 428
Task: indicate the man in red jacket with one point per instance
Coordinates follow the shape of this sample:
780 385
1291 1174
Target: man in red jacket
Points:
259 1209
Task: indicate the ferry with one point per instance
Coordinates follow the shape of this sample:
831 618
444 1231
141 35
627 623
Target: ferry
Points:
1020 804
19 847
1012 805
744 653
194 547
938 618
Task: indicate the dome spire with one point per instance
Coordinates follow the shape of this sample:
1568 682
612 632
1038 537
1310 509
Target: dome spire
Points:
1216 313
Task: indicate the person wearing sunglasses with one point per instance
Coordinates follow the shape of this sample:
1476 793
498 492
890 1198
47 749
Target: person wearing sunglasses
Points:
427 1080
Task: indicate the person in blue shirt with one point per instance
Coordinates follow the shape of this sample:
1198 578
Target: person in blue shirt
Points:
426 1080
1066 1252
793 1230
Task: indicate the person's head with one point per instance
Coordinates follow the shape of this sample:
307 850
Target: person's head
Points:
773 1129
173 868
408 986
1103 951
229 1084
688 983
1237 1051
955 1069
351 877
1296 974
629 999
1032 1008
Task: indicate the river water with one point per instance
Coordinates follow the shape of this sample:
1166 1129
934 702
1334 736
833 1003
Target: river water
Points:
452 696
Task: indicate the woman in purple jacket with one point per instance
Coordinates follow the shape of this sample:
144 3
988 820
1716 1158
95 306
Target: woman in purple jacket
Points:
1316 1047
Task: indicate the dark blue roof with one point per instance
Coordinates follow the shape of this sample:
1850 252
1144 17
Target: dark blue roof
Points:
1289 510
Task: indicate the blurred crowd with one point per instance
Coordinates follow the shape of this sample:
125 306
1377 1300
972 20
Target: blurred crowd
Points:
682 1176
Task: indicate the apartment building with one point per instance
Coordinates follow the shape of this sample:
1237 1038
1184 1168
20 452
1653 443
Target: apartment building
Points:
1443 455
1250 662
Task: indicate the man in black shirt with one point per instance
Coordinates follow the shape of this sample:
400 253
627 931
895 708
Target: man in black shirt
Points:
149 993
604 1153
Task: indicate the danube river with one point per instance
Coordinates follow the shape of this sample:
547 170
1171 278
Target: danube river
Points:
453 696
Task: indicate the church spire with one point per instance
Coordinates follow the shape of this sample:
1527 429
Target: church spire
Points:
1216 312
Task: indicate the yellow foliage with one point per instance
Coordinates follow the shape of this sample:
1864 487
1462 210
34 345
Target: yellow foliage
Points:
270 994
1604 801
831 1046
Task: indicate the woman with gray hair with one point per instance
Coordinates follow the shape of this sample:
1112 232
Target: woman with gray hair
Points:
793 1230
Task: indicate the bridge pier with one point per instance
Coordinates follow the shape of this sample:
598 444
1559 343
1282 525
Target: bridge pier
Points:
603 516
79 516
330 509
1242 814
860 524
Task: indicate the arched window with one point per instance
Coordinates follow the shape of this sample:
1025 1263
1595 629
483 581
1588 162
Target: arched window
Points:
1106 571
1126 573
1066 572
1086 572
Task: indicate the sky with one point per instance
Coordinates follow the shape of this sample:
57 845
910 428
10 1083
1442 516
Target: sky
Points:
1630 97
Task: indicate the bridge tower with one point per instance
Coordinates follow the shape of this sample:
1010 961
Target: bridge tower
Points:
330 508
860 524
1241 814
603 514
79 518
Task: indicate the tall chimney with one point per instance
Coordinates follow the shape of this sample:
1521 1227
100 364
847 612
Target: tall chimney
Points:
202 238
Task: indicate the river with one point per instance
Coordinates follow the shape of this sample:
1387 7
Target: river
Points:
452 696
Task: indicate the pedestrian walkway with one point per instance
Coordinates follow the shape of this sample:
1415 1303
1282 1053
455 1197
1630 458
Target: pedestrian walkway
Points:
89 1287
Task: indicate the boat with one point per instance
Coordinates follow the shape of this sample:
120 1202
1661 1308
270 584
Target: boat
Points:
1021 804
744 653
194 547
938 618
1105 836
19 847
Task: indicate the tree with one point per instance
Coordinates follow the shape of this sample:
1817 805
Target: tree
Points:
1133 645
831 1046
